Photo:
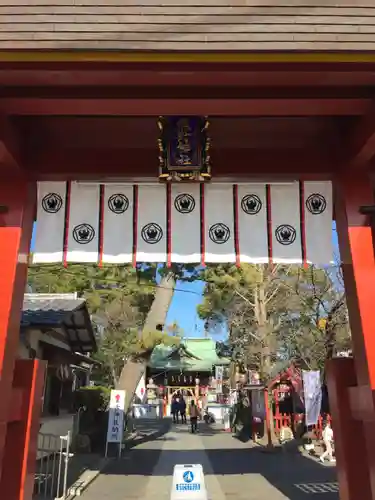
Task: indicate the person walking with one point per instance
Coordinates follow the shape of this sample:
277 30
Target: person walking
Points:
182 408
175 409
194 414
327 440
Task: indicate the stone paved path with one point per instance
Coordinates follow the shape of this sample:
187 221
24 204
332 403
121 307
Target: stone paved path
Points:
233 470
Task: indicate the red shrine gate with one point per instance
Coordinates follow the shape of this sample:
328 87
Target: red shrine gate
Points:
274 119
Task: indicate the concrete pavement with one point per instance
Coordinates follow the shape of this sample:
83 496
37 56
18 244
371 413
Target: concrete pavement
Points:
233 470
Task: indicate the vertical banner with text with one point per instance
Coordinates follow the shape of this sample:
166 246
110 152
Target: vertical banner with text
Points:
312 388
116 418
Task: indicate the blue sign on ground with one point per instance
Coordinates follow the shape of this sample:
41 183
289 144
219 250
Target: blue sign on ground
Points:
188 487
188 476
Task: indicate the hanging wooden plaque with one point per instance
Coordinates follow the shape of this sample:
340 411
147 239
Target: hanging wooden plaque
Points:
184 148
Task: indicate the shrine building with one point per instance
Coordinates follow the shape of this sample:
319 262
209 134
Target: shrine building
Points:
187 369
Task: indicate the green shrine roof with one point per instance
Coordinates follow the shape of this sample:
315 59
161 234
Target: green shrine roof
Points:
190 355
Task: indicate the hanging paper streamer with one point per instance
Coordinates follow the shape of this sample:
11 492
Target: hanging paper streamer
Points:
184 223
152 223
252 223
318 211
83 223
286 224
50 229
118 216
219 236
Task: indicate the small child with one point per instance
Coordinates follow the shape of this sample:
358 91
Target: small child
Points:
327 440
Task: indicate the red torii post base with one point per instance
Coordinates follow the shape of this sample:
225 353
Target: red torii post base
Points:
351 382
21 381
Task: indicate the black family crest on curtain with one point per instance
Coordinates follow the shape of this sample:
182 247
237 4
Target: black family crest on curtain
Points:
184 148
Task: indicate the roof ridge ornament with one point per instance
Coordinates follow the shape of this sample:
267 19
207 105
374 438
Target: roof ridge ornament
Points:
184 148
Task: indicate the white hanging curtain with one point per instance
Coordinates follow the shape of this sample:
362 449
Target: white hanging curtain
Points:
312 390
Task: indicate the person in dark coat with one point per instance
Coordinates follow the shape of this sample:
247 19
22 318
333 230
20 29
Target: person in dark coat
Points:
182 408
175 409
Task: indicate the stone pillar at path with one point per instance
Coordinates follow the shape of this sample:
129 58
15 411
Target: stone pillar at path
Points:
21 381
351 382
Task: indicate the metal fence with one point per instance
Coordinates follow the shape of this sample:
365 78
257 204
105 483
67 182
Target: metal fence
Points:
51 475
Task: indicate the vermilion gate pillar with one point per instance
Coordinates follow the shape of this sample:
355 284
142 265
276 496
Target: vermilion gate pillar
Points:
21 382
351 382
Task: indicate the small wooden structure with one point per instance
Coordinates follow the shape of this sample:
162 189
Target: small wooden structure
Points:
57 328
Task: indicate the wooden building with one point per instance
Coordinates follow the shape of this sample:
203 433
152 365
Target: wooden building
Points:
57 328
187 369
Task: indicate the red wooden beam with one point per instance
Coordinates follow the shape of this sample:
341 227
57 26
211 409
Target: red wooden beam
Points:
16 225
362 140
9 146
17 481
170 76
16 408
211 107
94 73
57 163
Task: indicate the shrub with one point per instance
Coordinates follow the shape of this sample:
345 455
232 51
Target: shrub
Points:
94 399
93 420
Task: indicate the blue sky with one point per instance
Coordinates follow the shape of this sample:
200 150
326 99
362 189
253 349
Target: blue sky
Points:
183 309
33 237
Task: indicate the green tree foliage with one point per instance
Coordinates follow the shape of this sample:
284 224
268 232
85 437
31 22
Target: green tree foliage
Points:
96 284
319 325
250 301
273 313
119 299
118 346
122 340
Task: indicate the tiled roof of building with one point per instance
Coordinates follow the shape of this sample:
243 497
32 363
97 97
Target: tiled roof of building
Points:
194 355
48 309
188 25
64 311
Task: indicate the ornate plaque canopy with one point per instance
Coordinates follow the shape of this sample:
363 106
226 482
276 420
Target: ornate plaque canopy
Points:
184 148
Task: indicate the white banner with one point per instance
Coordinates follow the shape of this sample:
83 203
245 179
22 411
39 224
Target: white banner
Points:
252 221
312 389
184 223
118 241
140 391
219 372
116 417
219 234
286 224
83 236
152 231
50 229
318 219
185 220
